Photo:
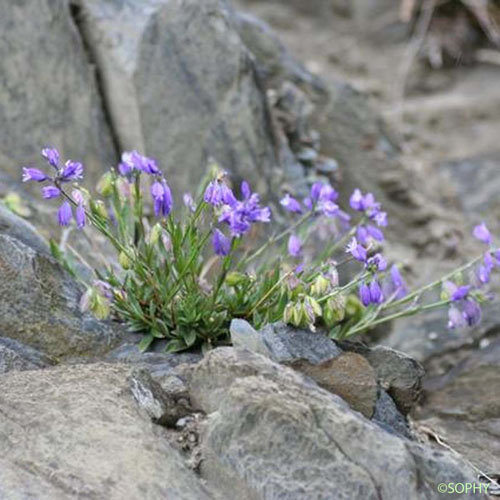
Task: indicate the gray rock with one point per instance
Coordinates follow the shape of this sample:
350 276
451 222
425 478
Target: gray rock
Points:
159 364
76 432
274 62
284 344
39 306
164 408
181 86
16 356
271 434
348 375
388 416
400 375
51 96
18 228
463 408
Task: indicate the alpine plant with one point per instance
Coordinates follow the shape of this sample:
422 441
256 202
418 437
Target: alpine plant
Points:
181 273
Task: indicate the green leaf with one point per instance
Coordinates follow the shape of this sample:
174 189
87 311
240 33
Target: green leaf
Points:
189 337
175 345
145 342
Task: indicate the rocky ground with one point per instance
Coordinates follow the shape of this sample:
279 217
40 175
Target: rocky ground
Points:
283 413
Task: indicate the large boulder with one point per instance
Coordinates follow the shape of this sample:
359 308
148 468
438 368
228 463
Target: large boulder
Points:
76 432
181 86
48 95
39 306
271 433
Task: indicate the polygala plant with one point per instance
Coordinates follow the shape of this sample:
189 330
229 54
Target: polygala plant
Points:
183 274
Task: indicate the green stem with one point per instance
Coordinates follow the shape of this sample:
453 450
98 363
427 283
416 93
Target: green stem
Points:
430 286
400 314
270 291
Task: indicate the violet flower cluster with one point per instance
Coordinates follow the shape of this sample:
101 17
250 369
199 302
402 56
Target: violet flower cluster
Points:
166 287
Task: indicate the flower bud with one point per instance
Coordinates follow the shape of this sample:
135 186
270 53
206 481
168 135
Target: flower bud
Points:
100 306
297 315
99 208
155 234
353 306
105 184
235 278
124 260
336 306
316 308
288 313
320 286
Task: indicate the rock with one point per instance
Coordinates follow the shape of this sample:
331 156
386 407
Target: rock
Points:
284 344
474 184
187 83
320 9
388 416
39 306
400 375
463 408
51 96
274 63
349 375
75 432
208 389
159 364
352 133
18 228
163 407
16 356
272 434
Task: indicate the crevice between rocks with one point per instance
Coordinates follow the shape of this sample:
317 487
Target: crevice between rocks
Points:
76 15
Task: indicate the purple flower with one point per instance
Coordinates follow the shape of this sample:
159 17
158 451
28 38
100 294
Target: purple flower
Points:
162 198
294 246
377 297
125 168
188 201
455 318
33 174
488 261
356 250
327 193
364 233
315 191
364 294
51 155
77 196
471 312
377 261
380 218
291 204
80 216
483 274
460 293
482 233
240 215
64 214
132 160
49 192
219 193
363 203
221 243
71 171
399 285
328 208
